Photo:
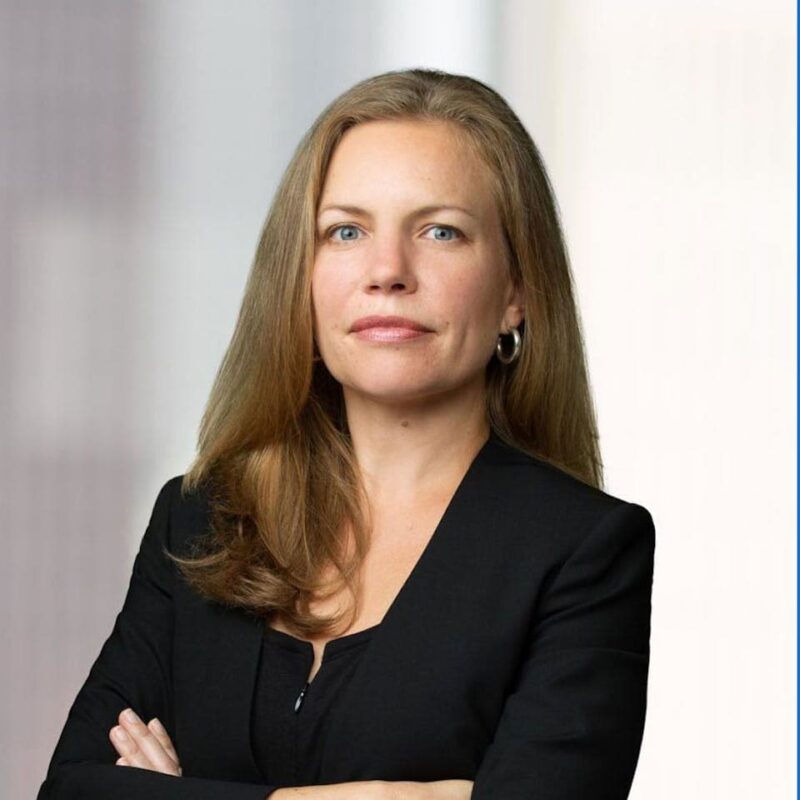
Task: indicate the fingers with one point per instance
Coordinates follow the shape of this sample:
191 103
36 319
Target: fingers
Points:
131 755
160 733
139 746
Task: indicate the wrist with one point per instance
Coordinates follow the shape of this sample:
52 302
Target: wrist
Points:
353 790
395 790
381 790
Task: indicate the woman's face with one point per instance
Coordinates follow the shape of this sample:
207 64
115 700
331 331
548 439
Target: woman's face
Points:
407 226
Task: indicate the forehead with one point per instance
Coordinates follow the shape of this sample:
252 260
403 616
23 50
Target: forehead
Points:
407 159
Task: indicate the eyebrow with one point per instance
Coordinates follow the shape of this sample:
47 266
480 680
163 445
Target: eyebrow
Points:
360 212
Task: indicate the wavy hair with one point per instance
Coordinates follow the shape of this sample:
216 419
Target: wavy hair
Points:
274 452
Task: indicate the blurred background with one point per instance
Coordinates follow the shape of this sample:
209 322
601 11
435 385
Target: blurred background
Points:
140 146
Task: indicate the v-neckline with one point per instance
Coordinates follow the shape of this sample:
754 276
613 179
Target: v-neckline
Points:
340 641
332 646
393 616
392 622
437 531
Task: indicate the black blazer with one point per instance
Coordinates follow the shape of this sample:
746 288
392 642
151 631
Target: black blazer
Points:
515 655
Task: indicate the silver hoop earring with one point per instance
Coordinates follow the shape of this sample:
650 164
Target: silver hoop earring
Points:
504 359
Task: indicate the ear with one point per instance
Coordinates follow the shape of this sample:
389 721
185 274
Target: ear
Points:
515 309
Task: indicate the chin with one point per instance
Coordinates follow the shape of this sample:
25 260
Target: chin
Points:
398 389
395 384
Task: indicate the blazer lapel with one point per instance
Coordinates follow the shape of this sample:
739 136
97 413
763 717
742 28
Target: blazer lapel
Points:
428 613
215 665
216 671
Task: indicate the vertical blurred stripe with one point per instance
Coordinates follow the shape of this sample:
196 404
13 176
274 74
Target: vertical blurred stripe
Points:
69 193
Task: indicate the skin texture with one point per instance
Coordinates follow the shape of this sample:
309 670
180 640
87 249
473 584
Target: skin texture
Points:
444 268
415 408
145 746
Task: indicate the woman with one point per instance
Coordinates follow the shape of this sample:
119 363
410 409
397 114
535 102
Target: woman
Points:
391 570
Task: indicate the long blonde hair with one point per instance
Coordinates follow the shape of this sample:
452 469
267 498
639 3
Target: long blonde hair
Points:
273 451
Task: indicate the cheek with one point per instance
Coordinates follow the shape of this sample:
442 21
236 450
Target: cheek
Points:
320 291
475 302
328 293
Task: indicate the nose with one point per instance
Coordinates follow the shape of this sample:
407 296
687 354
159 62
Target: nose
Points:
390 269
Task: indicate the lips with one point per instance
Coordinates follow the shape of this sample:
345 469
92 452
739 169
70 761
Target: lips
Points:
387 322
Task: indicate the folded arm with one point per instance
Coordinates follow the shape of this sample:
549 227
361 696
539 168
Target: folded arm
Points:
572 726
133 670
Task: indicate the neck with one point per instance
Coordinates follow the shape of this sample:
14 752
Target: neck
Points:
416 448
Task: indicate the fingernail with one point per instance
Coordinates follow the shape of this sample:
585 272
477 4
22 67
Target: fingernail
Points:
119 734
157 725
131 715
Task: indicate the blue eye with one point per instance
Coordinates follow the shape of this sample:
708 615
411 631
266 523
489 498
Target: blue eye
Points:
446 229
343 228
350 233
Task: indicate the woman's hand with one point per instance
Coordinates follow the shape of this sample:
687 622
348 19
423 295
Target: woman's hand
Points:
456 789
145 746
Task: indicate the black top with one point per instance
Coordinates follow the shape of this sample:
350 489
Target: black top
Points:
290 716
515 655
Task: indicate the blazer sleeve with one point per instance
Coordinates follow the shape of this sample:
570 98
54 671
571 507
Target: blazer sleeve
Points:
572 725
133 669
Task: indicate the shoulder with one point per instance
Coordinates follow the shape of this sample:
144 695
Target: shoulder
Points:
537 499
523 476
187 513
515 494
